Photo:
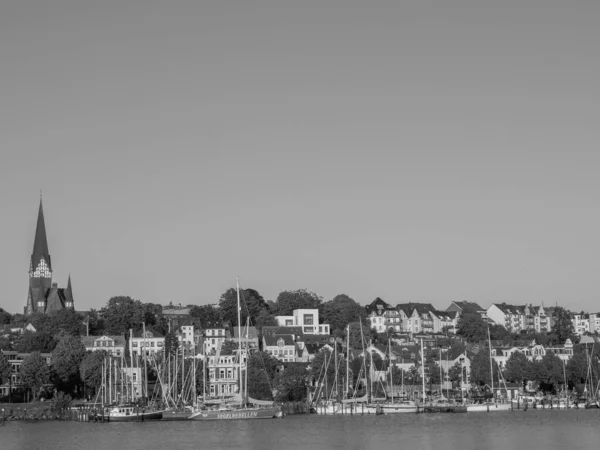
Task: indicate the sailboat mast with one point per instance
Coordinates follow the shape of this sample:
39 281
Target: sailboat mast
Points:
423 369
491 366
391 367
441 389
145 368
239 314
131 360
347 361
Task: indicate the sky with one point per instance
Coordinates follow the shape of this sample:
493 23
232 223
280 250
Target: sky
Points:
428 151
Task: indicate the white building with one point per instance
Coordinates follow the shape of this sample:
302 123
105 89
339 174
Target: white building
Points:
214 336
149 342
308 319
383 316
113 345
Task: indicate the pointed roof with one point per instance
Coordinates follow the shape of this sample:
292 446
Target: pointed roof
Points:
69 291
40 243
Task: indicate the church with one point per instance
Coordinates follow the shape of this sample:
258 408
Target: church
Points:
44 296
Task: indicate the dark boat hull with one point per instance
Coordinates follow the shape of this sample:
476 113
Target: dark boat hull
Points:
142 417
238 414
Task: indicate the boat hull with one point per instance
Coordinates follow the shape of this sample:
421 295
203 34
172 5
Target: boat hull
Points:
238 414
432 409
154 415
490 407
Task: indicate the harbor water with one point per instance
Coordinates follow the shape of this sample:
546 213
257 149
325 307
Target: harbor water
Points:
533 429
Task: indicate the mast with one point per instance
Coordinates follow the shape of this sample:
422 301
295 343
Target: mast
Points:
391 367
347 361
491 366
204 375
131 361
109 380
144 359
423 369
441 389
371 368
239 314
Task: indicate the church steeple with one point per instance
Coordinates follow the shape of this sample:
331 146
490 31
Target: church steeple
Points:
41 265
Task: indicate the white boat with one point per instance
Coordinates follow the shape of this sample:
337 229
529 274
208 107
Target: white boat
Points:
489 407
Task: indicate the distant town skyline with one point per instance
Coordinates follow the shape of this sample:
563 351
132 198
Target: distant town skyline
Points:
420 152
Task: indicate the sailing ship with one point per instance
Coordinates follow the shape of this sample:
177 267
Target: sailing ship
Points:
238 407
118 392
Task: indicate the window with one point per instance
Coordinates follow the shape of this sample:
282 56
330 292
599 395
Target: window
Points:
308 319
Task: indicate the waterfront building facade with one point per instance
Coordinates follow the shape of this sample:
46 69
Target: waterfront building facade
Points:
14 382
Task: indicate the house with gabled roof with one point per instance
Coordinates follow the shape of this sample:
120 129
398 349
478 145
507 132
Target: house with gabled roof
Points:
510 317
281 346
466 307
383 316
416 317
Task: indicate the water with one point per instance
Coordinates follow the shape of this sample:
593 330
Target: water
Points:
551 430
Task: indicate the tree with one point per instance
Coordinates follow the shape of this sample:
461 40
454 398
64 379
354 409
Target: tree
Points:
261 372
35 342
121 314
251 303
66 359
35 373
480 368
5 369
288 301
207 314
577 369
552 374
517 368
562 327
472 327
90 369
5 317
292 385
359 337
229 347
265 319
340 311
457 374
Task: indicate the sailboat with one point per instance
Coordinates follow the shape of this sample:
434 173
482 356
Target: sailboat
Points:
118 405
494 405
391 406
442 405
238 407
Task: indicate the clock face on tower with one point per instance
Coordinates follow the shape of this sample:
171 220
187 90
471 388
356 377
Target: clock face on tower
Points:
42 270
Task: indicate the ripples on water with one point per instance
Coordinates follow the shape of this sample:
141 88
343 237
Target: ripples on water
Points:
552 430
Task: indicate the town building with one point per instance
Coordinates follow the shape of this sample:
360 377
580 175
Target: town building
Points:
510 317
15 383
308 319
113 345
467 307
382 316
223 374
533 351
444 321
44 296
149 342
416 317
214 336
281 346
581 323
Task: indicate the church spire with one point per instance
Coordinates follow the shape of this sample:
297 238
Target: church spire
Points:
40 243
